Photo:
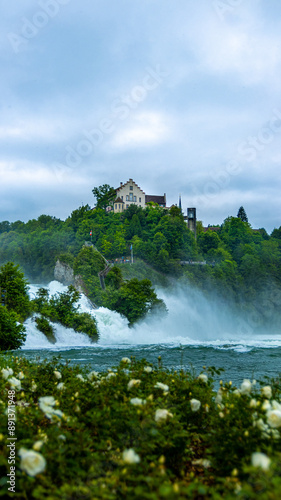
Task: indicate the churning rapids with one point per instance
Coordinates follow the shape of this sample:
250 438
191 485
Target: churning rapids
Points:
195 332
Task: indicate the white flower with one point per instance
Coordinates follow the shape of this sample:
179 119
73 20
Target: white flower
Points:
237 393
14 383
275 405
147 369
164 387
46 402
275 434
260 460
203 377
195 404
261 425
42 436
246 387
57 413
274 418
111 374
60 386
33 386
253 403
46 405
6 372
218 399
130 456
92 375
134 382
267 391
126 360
80 377
57 374
20 375
32 462
202 461
266 406
162 415
137 401
38 445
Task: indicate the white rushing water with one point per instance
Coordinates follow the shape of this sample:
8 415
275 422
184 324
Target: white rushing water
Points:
192 320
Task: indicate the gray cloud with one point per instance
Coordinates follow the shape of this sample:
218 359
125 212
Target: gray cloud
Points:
82 69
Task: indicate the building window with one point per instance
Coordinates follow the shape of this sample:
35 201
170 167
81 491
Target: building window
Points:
115 206
122 198
140 200
135 198
127 206
131 188
131 197
127 197
119 206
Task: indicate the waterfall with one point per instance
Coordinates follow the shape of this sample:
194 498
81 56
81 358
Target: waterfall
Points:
192 319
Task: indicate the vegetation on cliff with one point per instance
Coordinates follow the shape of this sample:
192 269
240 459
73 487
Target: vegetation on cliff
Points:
16 306
133 298
62 308
233 260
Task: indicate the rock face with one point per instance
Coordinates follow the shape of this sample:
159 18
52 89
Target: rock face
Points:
63 273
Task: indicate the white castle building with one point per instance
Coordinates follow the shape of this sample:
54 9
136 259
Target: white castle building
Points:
131 194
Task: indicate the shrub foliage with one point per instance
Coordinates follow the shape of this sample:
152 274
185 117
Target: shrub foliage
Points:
138 432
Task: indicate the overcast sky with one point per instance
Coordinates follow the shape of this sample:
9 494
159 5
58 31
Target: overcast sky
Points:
183 96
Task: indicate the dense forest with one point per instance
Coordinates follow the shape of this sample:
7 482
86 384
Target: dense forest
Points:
237 263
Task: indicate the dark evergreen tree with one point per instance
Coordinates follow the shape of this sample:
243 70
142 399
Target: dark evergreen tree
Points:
242 214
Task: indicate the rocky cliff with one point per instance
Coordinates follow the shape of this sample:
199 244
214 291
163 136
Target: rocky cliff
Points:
64 273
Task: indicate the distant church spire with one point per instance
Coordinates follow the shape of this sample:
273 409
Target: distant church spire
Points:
180 202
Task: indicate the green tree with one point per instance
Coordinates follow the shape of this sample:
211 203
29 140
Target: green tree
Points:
105 196
208 240
234 232
12 280
5 226
136 298
242 214
276 233
134 228
12 333
63 305
114 277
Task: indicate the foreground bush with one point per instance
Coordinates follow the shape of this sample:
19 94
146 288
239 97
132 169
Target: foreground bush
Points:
137 432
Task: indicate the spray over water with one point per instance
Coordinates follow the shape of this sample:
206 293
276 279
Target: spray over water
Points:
192 320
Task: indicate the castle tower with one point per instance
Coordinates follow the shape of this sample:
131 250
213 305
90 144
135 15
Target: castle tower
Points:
191 220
